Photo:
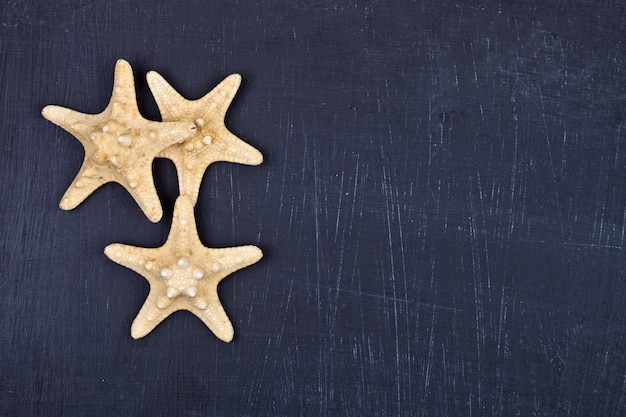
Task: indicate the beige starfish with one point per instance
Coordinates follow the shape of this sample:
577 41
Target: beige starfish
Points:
119 145
183 274
212 141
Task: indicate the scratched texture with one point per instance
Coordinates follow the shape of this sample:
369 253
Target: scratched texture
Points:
442 209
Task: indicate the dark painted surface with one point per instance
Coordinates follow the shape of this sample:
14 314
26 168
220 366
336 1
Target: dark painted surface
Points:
442 207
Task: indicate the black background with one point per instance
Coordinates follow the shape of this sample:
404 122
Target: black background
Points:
442 210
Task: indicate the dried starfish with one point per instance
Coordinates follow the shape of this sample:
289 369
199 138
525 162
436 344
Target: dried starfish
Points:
183 274
212 142
120 145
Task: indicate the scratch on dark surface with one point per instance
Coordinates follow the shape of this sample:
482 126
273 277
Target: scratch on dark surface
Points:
390 238
550 158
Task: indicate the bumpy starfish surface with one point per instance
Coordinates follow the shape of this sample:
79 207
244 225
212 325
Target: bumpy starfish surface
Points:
120 145
183 274
212 142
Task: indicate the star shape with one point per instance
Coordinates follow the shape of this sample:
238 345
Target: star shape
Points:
183 274
120 145
212 142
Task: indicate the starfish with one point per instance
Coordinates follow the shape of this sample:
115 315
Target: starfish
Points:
212 142
183 274
120 145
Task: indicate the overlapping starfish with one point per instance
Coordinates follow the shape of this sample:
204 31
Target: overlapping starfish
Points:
120 146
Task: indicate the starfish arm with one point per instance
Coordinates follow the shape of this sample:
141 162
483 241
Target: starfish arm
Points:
214 316
164 134
141 188
157 306
77 123
228 260
183 234
232 149
171 104
123 98
190 174
86 182
135 258
190 181
218 100
155 309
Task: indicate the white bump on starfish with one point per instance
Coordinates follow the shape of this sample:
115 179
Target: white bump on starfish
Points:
198 273
125 140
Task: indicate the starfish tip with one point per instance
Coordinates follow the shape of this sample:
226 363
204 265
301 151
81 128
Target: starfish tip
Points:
136 332
183 202
122 63
256 159
140 328
152 75
226 333
251 254
155 216
155 81
54 113
109 251
67 204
